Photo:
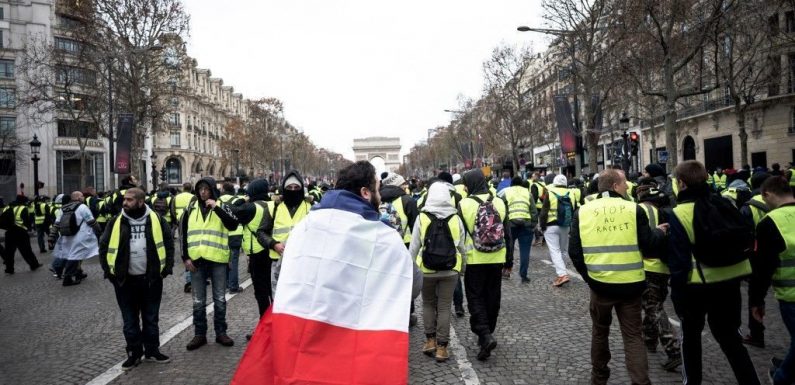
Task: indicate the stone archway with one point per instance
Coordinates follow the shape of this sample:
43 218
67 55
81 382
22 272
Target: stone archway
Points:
689 148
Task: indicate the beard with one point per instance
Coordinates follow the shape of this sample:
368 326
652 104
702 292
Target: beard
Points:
135 212
375 202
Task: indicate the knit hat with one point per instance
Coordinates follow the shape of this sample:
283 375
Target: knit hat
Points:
292 179
445 176
560 180
456 177
393 179
655 170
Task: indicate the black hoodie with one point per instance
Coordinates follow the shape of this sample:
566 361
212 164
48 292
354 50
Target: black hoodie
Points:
257 192
296 199
224 214
391 193
265 231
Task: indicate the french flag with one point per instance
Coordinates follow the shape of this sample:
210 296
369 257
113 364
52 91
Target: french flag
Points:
341 310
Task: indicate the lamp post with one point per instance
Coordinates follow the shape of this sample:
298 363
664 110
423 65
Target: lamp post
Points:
35 147
237 166
623 125
154 170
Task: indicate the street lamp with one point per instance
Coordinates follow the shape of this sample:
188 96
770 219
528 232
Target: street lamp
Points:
35 147
154 170
623 125
237 165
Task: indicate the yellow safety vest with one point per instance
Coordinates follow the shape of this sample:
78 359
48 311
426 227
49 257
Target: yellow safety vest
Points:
455 230
684 212
250 243
590 197
654 265
630 189
540 187
404 219
609 234
207 237
553 201
575 194
792 177
181 202
518 199
101 217
157 235
675 187
227 200
283 223
18 217
462 190
469 209
758 208
719 181
42 208
784 277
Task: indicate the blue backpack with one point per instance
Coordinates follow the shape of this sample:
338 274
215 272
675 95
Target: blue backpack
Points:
565 209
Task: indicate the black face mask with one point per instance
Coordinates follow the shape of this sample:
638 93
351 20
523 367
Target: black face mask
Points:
136 212
293 197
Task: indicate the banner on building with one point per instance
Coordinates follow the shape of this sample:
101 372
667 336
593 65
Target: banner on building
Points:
566 131
597 116
124 143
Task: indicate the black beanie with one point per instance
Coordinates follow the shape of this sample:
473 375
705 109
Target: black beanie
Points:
655 170
445 176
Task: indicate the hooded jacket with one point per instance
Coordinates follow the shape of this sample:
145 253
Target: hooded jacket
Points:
123 254
437 204
265 231
224 213
257 192
390 193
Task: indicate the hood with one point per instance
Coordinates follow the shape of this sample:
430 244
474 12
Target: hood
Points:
390 193
475 182
350 202
210 182
294 173
146 212
739 184
163 194
560 181
71 205
257 190
437 201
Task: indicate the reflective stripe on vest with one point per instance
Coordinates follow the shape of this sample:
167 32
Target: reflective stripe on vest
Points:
250 243
283 223
404 219
154 230
518 199
784 277
609 234
18 217
207 237
455 231
469 209
42 208
758 209
228 200
684 212
654 265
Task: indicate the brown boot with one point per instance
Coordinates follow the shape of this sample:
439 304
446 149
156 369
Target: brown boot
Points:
430 346
197 342
441 353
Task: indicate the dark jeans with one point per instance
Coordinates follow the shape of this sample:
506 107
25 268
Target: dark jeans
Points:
756 329
629 321
721 305
235 242
458 294
17 238
139 302
216 273
41 235
655 320
525 236
786 372
259 266
483 291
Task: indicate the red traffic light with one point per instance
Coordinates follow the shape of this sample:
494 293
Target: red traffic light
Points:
633 136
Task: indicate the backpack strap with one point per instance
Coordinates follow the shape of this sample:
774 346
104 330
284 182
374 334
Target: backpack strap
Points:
759 205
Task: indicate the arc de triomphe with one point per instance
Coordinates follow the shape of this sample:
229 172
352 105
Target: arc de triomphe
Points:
382 152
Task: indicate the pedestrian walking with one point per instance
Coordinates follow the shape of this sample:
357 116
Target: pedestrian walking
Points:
17 219
656 326
754 210
136 253
708 246
438 246
774 264
74 234
205 253
346 281
522 218
230 198
486 221
608 240
555 220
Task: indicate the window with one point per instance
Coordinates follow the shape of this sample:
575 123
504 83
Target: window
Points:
175 136
74 75
772 24
72 101
791 129
789 21
67 45
774 76
8 126
2 14
67 22
6 68
8 98
173 119
2 44
74 129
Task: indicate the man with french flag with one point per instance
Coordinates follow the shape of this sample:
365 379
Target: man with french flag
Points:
341 313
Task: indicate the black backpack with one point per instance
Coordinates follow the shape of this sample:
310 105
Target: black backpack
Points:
439 252
723 237
68 225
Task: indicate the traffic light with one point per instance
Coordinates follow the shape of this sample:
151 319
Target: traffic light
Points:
634 143
163 174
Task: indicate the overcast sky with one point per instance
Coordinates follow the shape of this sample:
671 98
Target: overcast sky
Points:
351 69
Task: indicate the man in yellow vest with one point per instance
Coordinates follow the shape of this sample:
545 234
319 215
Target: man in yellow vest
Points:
556 230
486 220
609 237
393 191
17 215
205 253
136 252
700 291
656 326
229 198
754 210
775 263
523 218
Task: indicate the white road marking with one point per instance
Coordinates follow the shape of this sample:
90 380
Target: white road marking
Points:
468 374
115 371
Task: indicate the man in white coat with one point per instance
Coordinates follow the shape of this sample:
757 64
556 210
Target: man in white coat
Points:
81 245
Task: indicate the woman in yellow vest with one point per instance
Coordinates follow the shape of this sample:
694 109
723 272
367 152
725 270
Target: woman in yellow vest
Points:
701 292
438 285
775 263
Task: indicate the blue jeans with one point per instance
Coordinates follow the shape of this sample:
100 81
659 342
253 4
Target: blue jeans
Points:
58 265
216 272
784 374
458 294
41 235
235 242
525 236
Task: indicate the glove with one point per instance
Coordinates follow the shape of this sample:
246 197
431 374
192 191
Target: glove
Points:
165 273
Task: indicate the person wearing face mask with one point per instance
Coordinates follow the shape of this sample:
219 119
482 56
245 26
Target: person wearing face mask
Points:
136 252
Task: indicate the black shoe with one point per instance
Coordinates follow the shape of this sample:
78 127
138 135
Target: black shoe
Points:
459 311
248 337
756 342
224 340
776 362
196 342
69 281
486 346
235 291
187 288
672 363
132 361
81 275
9 272
158 357
36 267
525 280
